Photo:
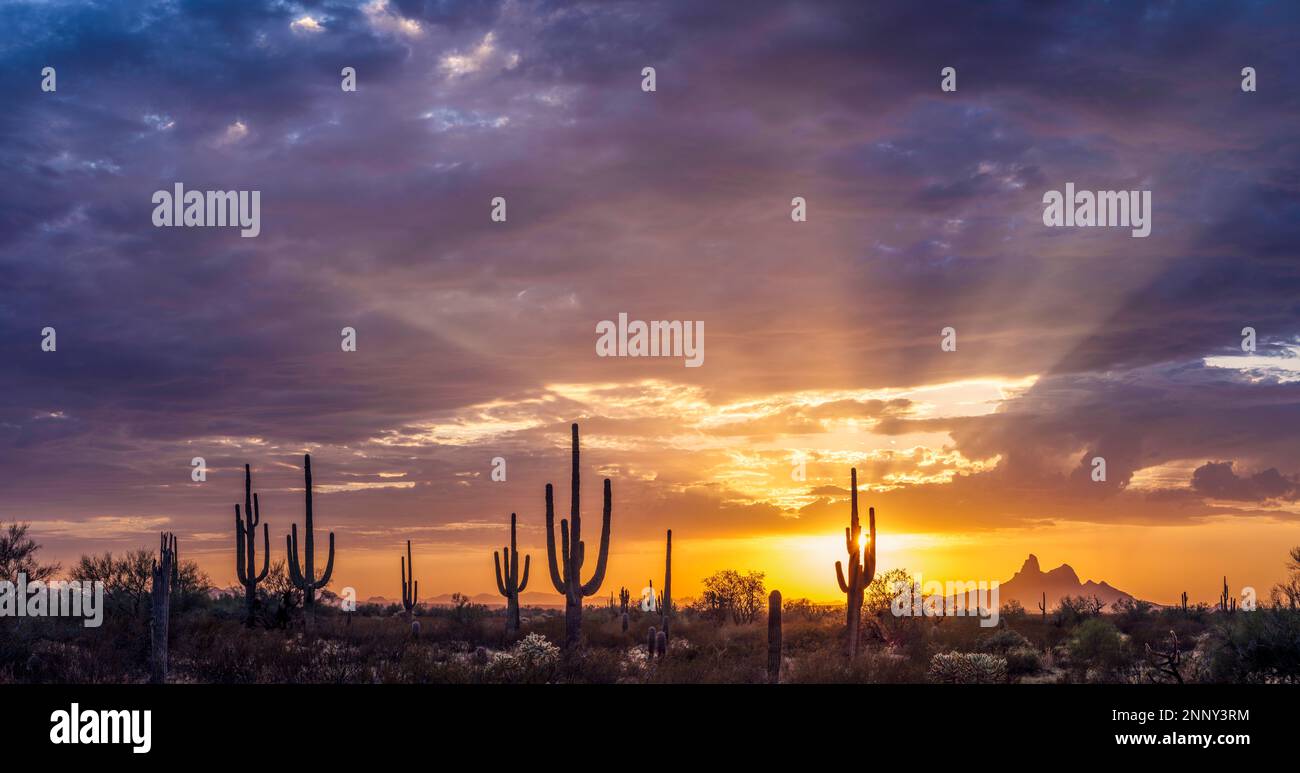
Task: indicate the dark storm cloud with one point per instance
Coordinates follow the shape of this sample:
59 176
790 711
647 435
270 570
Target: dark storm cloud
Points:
1219 481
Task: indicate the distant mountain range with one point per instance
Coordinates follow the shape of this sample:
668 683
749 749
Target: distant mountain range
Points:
1031 582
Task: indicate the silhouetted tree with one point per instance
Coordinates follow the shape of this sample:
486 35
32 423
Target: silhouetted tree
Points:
18 555
729 593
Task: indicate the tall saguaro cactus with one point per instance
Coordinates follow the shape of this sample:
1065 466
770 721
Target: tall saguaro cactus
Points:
304 577
509 583
666 605
246 546
166 575
410 590
774 637
862 564
1042 606
566 564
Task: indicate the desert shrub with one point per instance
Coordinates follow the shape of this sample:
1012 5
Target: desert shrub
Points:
809 636
967 668
1022 661
593 665
1073 610
1097 646
1256 646
829 666
1012 610
1002 641
794 609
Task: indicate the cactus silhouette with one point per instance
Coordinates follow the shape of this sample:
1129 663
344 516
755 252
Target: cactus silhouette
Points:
661 645
650 642
1042 606
166 575
509 582
566 564
624 596
1226 602
246 546
411 589
774 637
304 577
862 564
1184 602
666 603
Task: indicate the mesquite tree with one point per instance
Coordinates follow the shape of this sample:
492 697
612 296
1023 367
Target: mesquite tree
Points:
509 583
862 564
566 563
246 546
304 577
166 574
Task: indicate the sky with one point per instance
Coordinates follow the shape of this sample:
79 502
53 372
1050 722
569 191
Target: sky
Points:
476 339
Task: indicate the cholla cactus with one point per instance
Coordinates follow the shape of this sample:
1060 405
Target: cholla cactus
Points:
967 668
304 577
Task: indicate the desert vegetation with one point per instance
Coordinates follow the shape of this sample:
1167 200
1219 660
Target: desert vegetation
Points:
163 623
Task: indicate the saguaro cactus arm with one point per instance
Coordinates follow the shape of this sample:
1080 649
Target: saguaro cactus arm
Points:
557 578
496 561
329 566
602 560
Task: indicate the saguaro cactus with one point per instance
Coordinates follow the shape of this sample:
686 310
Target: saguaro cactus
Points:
410 589
774 637
1042 606
304 577
651 636
166 574
624 596
666 604
1226 601
246 546
509 583
1184 602
566 564
862 564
